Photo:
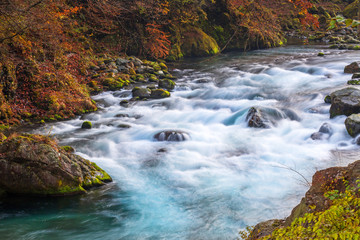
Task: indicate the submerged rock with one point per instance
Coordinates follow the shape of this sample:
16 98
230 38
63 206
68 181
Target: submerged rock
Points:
324 132
36 165
172 136
352 124
345 102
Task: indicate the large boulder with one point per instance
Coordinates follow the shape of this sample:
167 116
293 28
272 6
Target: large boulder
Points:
196 43
345 102
141 93
172 136
352 68
265 117
159 93
352 124
36 165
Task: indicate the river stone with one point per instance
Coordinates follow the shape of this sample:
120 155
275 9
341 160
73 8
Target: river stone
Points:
352 124
172 136
355 76
36 165
159 93
345 102
352 68
265 117
324 132
327 99
167 84
140 92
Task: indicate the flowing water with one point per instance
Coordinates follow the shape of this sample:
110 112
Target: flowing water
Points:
225 177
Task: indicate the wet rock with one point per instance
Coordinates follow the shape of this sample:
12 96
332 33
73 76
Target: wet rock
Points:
159 93
265 117
355 76
352 68
345 102
140 92
172 136
326 128
324 132
36 165
121 61
352 124
354 82
124 125
124 103
167 84
122 115
327 99
86 125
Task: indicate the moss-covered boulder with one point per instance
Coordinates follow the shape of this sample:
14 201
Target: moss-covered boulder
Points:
351 10
352 124
345 101
167 84
140 93
196 43
159 93
36 165
86 125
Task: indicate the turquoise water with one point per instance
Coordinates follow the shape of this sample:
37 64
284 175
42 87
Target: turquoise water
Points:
225 177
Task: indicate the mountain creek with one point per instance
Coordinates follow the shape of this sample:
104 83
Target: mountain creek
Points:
214 175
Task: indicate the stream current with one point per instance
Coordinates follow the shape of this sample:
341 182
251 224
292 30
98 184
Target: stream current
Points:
224 177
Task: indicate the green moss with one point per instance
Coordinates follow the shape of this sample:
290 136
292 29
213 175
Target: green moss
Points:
354 82
321 54
68 149
86 125
196 43
153 78
163 66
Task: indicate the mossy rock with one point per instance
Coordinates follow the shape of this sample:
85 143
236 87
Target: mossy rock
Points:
114 84
153 78
159 93
68 149
163 66
327 99
351 10
354 82
321 54
36 165
196 43
86 125
167 84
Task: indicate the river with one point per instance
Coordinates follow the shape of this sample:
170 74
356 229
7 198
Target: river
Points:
224 177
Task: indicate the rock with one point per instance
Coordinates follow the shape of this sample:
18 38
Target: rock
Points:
122 115
355 76
124 126
265 228
140 92
327 99
352 68
196 43
68 149
124 103
352 124
86 125
36 165
321 54
153 78
265 117
324 132
121 61
159 93
172 136
345 102
167 84
351 10
326 128
354 82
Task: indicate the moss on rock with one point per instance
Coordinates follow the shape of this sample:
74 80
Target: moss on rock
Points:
196 43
